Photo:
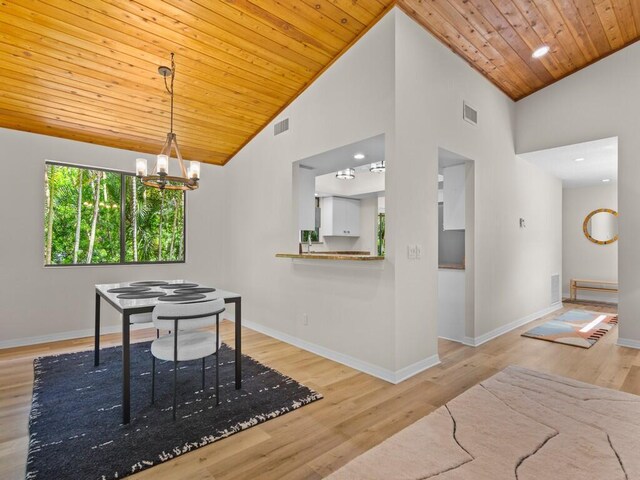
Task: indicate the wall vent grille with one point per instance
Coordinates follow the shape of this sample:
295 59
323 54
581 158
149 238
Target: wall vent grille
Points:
469 113
281 126
555 288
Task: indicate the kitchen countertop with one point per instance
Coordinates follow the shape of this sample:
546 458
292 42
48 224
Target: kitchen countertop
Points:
357 256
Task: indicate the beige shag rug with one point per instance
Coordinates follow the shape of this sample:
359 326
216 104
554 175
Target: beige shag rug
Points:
519 424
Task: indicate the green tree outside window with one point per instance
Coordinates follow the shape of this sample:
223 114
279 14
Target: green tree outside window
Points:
83 220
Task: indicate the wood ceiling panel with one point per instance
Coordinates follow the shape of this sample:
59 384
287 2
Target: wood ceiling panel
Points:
87 69
497 37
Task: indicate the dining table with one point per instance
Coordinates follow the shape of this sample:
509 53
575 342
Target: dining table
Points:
118 296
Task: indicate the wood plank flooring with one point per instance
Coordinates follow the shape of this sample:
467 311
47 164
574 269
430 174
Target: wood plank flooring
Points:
358 411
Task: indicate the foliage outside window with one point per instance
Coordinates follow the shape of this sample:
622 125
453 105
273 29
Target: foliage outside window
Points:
314 234
97 216
380 237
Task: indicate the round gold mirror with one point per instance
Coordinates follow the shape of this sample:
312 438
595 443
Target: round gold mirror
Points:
601 226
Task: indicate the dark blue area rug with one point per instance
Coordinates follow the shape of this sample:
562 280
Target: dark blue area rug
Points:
75 424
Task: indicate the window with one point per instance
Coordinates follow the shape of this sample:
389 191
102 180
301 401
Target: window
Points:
96 216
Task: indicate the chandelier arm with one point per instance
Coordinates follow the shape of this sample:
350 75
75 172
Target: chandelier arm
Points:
167 145
179 155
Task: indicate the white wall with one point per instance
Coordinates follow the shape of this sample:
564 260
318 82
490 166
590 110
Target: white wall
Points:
37 303
451 304
600 101
349 304
582 258
511 267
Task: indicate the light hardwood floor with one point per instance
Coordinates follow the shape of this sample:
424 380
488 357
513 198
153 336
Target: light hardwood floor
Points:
358 411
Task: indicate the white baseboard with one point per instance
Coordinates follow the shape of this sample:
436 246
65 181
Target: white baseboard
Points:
477 341
69 335
415 368
457 340
366 367
627 342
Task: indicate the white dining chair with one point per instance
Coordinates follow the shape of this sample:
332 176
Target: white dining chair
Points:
140 318
186 341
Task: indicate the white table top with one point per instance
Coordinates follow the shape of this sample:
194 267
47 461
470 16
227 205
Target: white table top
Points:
130 304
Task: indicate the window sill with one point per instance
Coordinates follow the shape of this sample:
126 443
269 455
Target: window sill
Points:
133 264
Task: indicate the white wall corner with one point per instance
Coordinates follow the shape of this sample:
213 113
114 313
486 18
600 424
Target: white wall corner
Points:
415 368
477 341
352 362
627 342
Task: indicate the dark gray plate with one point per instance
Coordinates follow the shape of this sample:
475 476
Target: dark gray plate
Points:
182 298
171 286
128 289
138 295
149 283
194 290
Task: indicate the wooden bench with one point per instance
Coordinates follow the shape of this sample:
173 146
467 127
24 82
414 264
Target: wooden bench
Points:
591 285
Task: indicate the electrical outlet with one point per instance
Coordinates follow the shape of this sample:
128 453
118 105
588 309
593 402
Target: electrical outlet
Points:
305 319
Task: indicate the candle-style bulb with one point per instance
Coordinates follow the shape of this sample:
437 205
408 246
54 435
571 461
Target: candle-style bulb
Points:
194 170
141 167
163 164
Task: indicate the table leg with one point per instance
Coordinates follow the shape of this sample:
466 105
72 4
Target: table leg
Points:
96 346
126 369
238 304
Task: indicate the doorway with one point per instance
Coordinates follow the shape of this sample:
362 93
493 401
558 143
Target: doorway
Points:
455 246
589 175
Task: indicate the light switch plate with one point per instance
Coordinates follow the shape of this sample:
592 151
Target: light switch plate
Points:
418 251
411 252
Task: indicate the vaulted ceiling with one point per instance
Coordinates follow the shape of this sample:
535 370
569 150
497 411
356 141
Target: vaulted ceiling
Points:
87 69
497 37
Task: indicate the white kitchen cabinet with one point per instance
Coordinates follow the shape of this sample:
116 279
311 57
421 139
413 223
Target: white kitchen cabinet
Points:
454 197
306 182
340 217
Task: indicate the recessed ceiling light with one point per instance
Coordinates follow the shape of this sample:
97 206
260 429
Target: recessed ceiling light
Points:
359 156
605 180
579 160
540 51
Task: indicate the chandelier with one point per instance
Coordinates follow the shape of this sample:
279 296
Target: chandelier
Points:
159 176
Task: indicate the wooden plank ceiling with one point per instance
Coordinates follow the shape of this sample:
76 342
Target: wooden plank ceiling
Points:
87 69
497 37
